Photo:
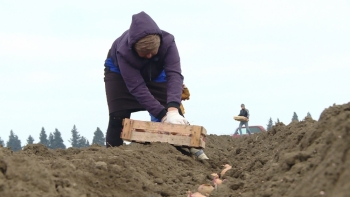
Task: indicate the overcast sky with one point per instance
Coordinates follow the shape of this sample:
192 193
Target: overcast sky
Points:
276 57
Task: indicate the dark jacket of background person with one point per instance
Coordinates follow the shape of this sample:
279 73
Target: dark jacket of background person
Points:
244 112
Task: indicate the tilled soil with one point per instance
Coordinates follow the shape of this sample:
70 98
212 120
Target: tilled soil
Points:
307 158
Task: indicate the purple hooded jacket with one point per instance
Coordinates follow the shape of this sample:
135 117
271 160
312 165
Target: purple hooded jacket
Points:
136 70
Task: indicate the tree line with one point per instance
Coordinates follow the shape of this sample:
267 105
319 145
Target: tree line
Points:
54 140
294 119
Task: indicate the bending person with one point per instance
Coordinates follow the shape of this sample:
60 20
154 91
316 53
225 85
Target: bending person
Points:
142 72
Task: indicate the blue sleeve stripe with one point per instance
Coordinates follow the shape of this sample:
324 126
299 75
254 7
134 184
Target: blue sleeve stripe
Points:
154 119
161 77
109 64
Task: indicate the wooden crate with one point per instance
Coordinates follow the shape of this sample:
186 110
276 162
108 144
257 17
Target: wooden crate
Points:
176 134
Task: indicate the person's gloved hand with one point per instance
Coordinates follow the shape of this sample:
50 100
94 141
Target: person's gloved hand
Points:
174 117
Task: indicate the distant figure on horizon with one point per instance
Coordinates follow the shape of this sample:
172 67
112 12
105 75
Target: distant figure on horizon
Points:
244 112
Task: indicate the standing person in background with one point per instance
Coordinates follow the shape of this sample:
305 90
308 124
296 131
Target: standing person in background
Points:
244 112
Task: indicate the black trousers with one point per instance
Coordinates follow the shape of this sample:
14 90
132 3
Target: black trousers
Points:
121 103
115 127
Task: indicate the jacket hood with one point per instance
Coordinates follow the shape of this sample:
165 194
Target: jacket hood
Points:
142 25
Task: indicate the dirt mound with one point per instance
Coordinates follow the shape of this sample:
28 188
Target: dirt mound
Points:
307 158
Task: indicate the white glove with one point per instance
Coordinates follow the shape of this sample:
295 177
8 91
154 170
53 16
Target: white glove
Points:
174 117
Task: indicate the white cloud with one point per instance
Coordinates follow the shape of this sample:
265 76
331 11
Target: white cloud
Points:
54 48
235 69
40 77
258 47
188 48
275 12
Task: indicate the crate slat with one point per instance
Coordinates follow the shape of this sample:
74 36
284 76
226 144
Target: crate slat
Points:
167 127
177 140
127 129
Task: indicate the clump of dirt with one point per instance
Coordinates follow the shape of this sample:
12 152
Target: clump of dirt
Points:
307 158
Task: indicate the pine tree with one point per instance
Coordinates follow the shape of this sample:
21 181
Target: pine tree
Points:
308 115
51 142
43 138
2 142
98 137
83 142
75 140
295 117
14 143
269 125
57 140
278 120
30 140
